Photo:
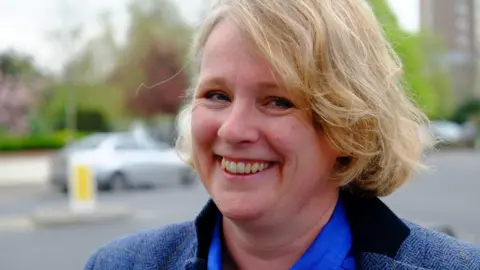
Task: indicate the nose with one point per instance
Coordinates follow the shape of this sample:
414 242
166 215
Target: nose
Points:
239 125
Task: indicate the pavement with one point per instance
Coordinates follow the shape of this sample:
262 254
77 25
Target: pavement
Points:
447 195
26 246
28 169
60 216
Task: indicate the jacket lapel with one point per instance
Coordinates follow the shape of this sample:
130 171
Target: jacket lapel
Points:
377 232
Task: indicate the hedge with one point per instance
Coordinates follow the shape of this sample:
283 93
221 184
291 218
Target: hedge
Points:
45 142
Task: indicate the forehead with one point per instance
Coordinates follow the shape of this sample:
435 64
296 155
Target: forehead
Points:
228 56
230 60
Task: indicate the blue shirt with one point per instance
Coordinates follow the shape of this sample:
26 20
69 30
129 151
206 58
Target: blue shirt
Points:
331 249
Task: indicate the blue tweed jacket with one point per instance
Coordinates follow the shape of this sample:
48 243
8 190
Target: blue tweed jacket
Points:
381 241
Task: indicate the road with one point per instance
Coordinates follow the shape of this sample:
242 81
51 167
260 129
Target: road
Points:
446 195
449 193
68 248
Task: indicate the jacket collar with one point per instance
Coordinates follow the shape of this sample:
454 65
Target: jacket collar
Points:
375 228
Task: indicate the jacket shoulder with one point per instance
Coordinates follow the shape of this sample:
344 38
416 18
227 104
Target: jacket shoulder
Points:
434 250
147 249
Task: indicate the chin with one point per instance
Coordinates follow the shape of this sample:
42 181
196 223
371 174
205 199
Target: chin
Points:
241 208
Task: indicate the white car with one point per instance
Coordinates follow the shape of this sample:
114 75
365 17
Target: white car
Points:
452 134
121 160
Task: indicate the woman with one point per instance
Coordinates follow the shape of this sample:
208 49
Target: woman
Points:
297 124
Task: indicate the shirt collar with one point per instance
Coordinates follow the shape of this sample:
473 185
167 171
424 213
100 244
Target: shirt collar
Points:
215 250
375 228
330 249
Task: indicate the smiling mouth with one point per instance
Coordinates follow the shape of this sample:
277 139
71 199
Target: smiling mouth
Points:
244 167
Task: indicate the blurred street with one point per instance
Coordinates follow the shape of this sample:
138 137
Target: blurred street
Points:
446 195
91 90
69 247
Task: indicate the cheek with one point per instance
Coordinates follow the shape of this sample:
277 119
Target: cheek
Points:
301 143
290 137
204 127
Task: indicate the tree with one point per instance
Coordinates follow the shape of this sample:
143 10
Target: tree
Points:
15 104
158 40
21 67
143 78
87 121
163 85
15 64
68 38
95 60
420 76
103 98
84 84
20 85
467 110
437 71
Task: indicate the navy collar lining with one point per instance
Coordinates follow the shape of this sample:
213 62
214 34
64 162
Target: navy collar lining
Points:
375 228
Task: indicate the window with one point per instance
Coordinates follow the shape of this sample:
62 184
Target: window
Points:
127 142
89 142
154 145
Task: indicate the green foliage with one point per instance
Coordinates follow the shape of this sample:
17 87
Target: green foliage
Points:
96 59
105 99
469 109
411 51
64 134
107 75
13 63
91 121
45 142
155 20
38 125
87 121
30 143
156 51
21 67
428 87
438 73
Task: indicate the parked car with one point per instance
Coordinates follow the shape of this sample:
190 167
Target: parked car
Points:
451 134
120 161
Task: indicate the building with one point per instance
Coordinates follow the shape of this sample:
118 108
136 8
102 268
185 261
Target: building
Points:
457 24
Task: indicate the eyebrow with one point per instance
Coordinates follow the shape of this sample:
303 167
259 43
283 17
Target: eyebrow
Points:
221 82
210 82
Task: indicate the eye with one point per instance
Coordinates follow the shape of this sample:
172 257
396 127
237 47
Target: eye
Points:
280 102
216 96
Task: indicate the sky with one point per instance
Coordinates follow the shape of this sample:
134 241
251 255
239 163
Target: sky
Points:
28 26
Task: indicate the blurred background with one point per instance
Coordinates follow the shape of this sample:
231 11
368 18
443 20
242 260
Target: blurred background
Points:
104 80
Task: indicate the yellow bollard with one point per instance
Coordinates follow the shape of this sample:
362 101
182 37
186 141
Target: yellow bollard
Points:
82 187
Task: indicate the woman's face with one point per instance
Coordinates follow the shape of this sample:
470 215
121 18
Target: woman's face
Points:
255 152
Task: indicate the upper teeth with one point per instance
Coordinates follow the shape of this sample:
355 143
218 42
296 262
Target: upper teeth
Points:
241 167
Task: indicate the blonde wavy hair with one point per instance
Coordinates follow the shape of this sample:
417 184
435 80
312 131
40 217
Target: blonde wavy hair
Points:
334 55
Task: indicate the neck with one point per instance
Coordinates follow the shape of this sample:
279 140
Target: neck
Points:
277 242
